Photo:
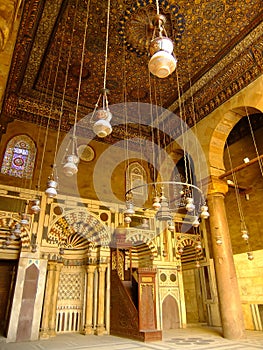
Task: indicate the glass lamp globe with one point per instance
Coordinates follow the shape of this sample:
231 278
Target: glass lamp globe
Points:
70 168
204 212
102 128
196 222
51 191
171 226
250 256
24 221
35 207
197 264
198 245
17 230
162 64
156 203
129 209
245 235
219 241
189 204
127 219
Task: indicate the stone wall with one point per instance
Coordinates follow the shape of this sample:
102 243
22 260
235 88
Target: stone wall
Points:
249 275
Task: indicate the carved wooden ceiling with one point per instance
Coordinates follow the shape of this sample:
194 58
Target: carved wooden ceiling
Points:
218 45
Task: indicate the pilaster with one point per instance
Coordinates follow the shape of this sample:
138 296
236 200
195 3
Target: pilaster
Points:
53 310
49 309
44 332
88 327
100 327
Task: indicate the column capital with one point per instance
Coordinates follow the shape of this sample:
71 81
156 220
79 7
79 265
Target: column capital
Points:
54 266
51 266
91 268
58 266
102 267
216 185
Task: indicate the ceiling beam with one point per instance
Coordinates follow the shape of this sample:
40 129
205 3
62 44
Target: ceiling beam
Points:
240 167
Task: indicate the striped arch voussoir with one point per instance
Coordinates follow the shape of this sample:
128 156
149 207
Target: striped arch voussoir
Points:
83 223
141 236
9 224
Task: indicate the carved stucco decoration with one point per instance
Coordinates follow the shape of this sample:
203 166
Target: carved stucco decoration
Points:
218 45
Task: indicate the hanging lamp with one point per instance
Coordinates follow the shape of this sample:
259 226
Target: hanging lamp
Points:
243 226
102 126
51 190
35 207
162 62
164 213
70 166
71 158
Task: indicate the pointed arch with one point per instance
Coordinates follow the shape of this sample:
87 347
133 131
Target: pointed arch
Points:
170 313
143 236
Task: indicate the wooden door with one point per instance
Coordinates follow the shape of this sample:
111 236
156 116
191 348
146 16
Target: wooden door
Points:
7 278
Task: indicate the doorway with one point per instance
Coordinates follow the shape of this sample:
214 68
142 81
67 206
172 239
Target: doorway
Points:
8 270
170 313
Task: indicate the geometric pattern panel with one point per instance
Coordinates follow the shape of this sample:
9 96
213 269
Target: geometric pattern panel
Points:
70 286
70 299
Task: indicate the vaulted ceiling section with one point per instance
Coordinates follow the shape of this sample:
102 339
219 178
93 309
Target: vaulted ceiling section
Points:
218 45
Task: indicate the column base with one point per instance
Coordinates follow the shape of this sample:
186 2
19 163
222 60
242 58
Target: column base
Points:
87 330
99 330
44 334
52 333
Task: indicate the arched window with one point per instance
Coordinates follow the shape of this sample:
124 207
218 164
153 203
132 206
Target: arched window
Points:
19 157
135 177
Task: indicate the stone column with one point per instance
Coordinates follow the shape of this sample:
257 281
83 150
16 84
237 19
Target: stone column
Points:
53 308
88 327
44 333
228 292
100 328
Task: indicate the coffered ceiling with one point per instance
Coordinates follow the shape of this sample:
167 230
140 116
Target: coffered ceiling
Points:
218 45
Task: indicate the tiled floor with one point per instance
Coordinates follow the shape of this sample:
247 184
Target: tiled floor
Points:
192 338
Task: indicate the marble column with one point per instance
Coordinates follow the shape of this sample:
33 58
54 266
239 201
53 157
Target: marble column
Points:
44 332
100 327
53 309
227 285
88 327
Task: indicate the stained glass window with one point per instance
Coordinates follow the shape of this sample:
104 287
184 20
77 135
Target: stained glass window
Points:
19 157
